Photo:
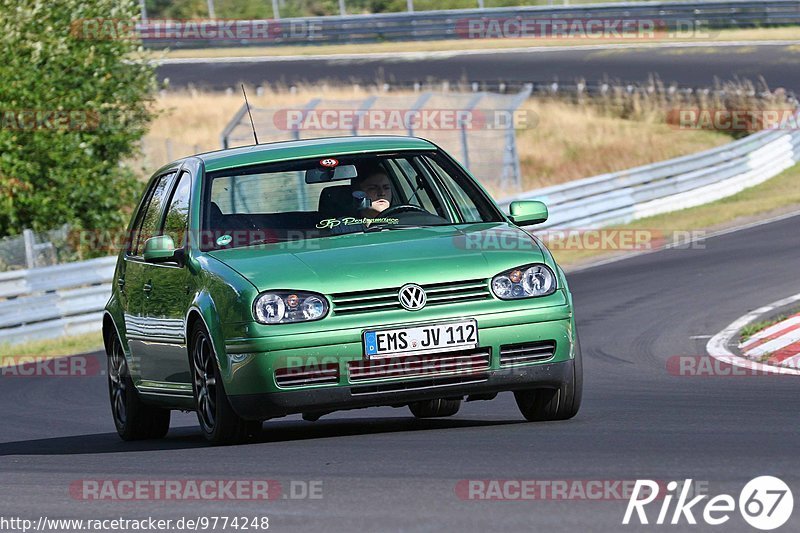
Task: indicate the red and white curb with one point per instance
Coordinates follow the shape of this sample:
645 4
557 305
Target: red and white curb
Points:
777 345
777 340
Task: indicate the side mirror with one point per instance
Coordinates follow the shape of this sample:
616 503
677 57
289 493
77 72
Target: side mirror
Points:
161 249
528 212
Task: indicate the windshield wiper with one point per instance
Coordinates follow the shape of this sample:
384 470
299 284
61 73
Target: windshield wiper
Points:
259 242
380 227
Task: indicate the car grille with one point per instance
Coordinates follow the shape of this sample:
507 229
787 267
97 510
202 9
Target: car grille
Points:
526 353
300 376
409 367
417 384
347 303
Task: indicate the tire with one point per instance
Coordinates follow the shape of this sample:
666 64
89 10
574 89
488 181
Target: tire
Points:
437 408
133 419
218 421
544 404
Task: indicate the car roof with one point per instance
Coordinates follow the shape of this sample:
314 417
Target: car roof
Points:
309 148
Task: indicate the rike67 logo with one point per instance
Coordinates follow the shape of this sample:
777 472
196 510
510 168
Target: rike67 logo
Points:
765 503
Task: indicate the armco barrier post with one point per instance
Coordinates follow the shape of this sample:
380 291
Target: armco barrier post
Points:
30 255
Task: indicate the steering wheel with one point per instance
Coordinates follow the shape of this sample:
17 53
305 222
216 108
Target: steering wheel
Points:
402 208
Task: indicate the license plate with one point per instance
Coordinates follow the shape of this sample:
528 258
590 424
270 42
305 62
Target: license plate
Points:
421 339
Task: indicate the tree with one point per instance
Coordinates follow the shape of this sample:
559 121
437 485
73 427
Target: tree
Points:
73 106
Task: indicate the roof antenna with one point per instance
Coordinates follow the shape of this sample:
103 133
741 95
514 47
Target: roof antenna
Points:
246 103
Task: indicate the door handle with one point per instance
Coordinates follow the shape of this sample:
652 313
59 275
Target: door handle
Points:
148 288
121 283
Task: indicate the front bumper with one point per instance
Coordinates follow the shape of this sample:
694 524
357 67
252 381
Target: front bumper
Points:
322 400
255 393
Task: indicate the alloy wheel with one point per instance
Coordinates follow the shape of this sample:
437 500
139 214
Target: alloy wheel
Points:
117 372
205 384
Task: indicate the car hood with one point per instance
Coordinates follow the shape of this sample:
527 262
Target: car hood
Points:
385 259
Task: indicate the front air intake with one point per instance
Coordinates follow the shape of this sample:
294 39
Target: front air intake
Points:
529 352
305 376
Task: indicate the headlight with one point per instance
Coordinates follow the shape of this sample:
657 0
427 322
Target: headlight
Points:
281 307
524 282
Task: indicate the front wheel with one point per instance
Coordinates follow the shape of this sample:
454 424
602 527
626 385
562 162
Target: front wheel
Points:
218 421
544 404
440 407
133 419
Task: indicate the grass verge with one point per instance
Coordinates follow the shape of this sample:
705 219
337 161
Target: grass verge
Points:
452 45
751 329
51 348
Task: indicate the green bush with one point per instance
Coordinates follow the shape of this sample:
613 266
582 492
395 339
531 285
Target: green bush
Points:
73 110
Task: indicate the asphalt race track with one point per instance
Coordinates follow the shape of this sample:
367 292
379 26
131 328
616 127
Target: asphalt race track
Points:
688 67
381 469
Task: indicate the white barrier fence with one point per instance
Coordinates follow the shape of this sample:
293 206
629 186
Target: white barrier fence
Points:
68 299
54 301
621 197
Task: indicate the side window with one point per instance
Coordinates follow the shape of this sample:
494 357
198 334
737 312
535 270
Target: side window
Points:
177 218
409 183
466 205
136 230
151 216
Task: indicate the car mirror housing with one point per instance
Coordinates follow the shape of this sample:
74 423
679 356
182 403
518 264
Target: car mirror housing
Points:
528 212
324 175
162 249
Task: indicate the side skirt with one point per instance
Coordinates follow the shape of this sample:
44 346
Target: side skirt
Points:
166 394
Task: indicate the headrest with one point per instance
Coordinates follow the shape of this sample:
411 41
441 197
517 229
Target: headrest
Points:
337 201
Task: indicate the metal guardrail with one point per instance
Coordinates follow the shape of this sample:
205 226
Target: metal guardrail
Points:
452 24
54 301
69 299
620 197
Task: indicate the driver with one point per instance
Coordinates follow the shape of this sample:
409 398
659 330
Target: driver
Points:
378 188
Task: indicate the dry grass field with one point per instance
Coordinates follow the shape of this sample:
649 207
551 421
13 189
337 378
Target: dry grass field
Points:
562 141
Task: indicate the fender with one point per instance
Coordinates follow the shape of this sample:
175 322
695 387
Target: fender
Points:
204 306
114 312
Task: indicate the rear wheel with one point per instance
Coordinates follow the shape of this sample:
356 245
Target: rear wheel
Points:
554 404
218 421
133 419
440 407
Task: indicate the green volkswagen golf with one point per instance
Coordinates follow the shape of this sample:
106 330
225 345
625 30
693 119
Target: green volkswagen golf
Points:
312 276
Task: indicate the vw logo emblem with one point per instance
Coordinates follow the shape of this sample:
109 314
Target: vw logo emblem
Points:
412 297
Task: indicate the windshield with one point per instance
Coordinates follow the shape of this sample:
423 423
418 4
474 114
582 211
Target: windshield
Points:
307 199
